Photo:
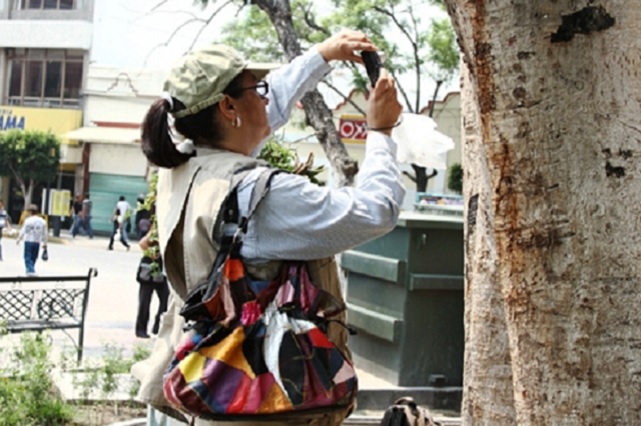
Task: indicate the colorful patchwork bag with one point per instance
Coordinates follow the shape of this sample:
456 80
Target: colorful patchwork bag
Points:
258 350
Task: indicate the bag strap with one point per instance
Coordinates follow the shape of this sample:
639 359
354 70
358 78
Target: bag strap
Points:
261 188
234 226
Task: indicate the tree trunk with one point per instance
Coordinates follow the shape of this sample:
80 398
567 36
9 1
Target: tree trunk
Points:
553 201
318 114
27 193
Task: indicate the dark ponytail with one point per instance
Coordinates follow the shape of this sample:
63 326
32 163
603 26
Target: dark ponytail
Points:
203 128
156 142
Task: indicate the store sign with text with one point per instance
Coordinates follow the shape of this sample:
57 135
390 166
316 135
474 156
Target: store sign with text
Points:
10 120
352 128
57 121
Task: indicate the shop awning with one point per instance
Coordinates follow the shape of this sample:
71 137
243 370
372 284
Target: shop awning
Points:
104 135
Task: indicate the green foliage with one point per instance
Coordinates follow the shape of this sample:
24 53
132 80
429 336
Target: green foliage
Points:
439 3
113 364
455 178
281 157
443 51
29 155
105 375
411 46
27 393
255 35
153 251
255 26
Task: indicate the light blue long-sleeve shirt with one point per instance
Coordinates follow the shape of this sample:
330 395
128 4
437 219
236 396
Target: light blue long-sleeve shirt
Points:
299 220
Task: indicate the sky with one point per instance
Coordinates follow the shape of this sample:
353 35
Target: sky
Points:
129 34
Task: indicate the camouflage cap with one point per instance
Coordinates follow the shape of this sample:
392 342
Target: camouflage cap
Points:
199 78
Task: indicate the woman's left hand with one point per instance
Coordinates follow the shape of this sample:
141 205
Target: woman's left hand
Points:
341 46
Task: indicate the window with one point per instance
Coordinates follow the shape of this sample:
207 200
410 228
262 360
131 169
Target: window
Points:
43 77
48 4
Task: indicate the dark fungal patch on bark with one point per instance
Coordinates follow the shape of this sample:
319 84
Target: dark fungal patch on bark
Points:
614 171
585 21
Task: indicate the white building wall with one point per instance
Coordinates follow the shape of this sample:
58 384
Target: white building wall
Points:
447 114
121 95
118 159
46 34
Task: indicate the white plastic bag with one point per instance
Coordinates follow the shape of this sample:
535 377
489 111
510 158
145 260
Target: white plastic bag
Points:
420 143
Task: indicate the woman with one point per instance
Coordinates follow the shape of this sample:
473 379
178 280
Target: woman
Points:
151 280
218 103
118 233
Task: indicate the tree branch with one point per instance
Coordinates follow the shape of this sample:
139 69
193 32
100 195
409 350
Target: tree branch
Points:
400 88
309 20
414 44
436 89
416 58
345 97
194 18
410 176
159 5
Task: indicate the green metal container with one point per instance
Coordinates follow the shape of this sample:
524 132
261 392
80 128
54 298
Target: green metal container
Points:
405 298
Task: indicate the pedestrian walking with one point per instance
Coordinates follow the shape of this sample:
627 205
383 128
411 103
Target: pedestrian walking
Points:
34 232
5 222
76 214
87 205
125 213
118 228
152 280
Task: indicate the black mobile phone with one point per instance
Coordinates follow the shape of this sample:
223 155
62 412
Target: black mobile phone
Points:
373 65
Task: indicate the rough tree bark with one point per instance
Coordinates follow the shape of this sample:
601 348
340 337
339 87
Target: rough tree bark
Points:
552 142
318 114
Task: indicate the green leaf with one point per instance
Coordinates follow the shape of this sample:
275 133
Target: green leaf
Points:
29 155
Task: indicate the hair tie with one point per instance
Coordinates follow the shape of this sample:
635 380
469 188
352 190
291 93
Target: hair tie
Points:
166 96
183 145
186 147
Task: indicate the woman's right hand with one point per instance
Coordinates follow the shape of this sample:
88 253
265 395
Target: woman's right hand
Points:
383 107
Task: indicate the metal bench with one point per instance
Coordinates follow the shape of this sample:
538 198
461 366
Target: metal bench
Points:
46 303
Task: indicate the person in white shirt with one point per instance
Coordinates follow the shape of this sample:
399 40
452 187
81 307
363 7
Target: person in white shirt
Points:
119 232
124 208
34 232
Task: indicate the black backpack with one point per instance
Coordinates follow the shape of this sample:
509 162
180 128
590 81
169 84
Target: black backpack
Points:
405 412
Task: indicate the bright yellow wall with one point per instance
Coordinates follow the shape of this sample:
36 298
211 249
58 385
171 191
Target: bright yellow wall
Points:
58 121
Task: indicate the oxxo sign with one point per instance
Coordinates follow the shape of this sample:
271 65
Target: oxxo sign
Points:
352 128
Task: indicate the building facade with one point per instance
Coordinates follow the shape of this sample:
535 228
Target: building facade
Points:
115 103
44 57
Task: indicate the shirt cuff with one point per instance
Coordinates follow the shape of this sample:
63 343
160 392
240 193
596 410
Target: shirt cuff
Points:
317 63
380 141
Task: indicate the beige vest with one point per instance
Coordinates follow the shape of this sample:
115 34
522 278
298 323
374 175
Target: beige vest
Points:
187 205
